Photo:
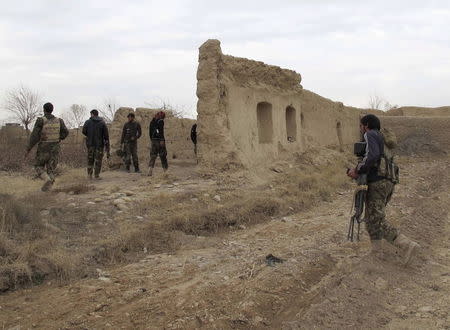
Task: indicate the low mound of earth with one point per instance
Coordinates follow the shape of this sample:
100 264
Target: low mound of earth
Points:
217 277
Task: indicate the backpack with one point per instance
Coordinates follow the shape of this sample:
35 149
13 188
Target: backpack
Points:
387 166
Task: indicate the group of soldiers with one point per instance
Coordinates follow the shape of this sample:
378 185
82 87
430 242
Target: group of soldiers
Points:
49 131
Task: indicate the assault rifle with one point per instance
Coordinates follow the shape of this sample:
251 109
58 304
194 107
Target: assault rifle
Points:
359 197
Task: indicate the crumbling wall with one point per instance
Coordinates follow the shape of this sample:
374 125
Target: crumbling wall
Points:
176 130
420 112
251 113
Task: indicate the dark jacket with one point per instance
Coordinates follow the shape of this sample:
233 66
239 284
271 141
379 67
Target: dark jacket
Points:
374 150
194 133
35 136
156 129
96 133
131 132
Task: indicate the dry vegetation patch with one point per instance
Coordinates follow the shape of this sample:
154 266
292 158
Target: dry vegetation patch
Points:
29 252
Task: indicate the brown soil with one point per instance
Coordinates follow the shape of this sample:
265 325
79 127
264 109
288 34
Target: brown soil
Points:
219 279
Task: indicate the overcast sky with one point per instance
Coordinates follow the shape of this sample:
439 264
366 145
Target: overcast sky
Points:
140 52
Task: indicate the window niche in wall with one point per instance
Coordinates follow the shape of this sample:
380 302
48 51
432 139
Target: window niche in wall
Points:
291 124
265 123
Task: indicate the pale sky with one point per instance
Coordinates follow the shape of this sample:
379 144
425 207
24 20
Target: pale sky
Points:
139 52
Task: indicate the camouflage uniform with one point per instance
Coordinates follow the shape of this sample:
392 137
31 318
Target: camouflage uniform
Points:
48 131
130 134
156 133
95 159
158 149
130 149
379 193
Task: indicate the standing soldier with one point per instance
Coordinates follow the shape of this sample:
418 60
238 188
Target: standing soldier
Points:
130 134
97 140
156 133
380 182
194 137
47 133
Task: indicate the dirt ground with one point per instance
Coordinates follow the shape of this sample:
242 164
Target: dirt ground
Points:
221 279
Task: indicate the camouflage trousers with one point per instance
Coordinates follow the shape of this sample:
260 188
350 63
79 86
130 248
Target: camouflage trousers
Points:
379 193
158 149
130 149
95 158
47 156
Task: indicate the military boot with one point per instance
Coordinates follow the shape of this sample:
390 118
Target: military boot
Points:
377 248
128 168
136 169
408 247
150 171
48 183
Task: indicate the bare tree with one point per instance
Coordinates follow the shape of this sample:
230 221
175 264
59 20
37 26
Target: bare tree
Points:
75 116
24 105
109 109
378 103
179 111
375 102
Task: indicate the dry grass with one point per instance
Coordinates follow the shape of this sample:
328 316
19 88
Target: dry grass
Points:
32 251
28 251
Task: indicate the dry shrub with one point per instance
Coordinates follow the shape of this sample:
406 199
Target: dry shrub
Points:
28 251
73 154
12 148
153 237
243 212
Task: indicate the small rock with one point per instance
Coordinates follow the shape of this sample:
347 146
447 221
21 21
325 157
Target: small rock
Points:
216 198
104 279
98 200
130 294
72 205
122 207
157 186
139 217
118 201
91 203
129 193
194 199
226 278
206 195
101 212
259 319
381 284
426 309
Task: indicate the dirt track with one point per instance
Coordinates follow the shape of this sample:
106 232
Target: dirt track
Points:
223 281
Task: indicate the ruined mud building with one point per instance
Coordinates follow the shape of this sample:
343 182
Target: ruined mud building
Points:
251 113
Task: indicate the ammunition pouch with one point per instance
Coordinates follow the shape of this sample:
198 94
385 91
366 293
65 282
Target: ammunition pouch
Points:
388 168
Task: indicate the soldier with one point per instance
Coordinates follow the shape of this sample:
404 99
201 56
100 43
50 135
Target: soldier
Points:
380 189
194 137
156 133
97 140
47 133
130 134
